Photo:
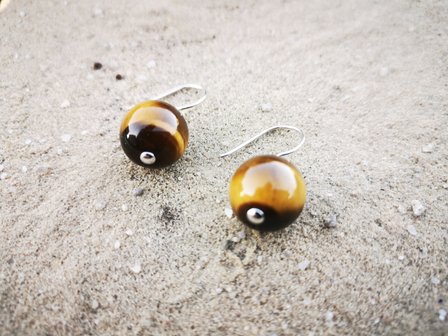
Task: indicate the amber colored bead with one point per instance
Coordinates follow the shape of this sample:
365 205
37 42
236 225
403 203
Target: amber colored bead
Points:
267 193
154 134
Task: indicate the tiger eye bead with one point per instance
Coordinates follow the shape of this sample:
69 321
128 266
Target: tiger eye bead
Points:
267 193
154 134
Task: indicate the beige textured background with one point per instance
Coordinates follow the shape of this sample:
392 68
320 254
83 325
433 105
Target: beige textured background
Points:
367 82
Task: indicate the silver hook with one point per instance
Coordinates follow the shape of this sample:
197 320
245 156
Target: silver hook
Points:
302 140
180 88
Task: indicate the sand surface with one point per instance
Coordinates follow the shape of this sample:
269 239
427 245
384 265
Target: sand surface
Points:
367 81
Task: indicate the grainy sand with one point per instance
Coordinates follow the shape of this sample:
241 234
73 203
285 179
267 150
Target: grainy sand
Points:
366 80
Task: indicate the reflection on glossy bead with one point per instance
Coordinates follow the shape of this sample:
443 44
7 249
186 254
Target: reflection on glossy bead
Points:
154 134
267 193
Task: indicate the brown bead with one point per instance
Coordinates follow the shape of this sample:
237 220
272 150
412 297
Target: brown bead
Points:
267 193
154 134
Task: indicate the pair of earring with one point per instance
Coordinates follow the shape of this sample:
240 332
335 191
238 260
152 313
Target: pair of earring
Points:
267 192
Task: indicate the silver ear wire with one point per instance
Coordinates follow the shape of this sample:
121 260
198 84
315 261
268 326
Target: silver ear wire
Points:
302 140
180 88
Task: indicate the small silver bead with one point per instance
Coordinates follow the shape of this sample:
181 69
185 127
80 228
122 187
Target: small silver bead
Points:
147 158
255 216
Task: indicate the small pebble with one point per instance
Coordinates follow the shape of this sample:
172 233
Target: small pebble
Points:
259 260
22 14
435 281
2 167
129 232
417 208
384 71
100 205
329 316
95 304
228 212
138 191
330 221
97 66
24 169
66 137
65 104
219 290
151 64
241 235
401 257
117 244
85 132
118 77
142 78
442 314
28 142
411 229
3 176
303 265
428 148
97 12
136 268
266 107
124 207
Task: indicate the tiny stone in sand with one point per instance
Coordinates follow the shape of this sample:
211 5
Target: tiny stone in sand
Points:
136 268
442 314
303 265
228 212
65 104
138 191
117 244
418 208
124 207
266 107
411 229
435 281
330 221
151 64
100 205
129 232
429 148
95 304
66 137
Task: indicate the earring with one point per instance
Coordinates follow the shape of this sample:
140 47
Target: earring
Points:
267 192
154 134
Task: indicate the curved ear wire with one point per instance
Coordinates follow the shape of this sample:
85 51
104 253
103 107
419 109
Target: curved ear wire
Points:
302 140
180 88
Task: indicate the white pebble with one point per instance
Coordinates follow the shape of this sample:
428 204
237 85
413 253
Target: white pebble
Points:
24 169
100 205
266 107
95 304
442 314
97 12
435 281
259 260
124 207
428 148
90 76
129 232
66 137
329 316
384 71
65 104
142 78
136 268
417 208
28 142
241 235
151 64
228 212
85 132
330 221
2 167
219 290
3 176
411 229
303 265
117 244
138 191
22 14
401 257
